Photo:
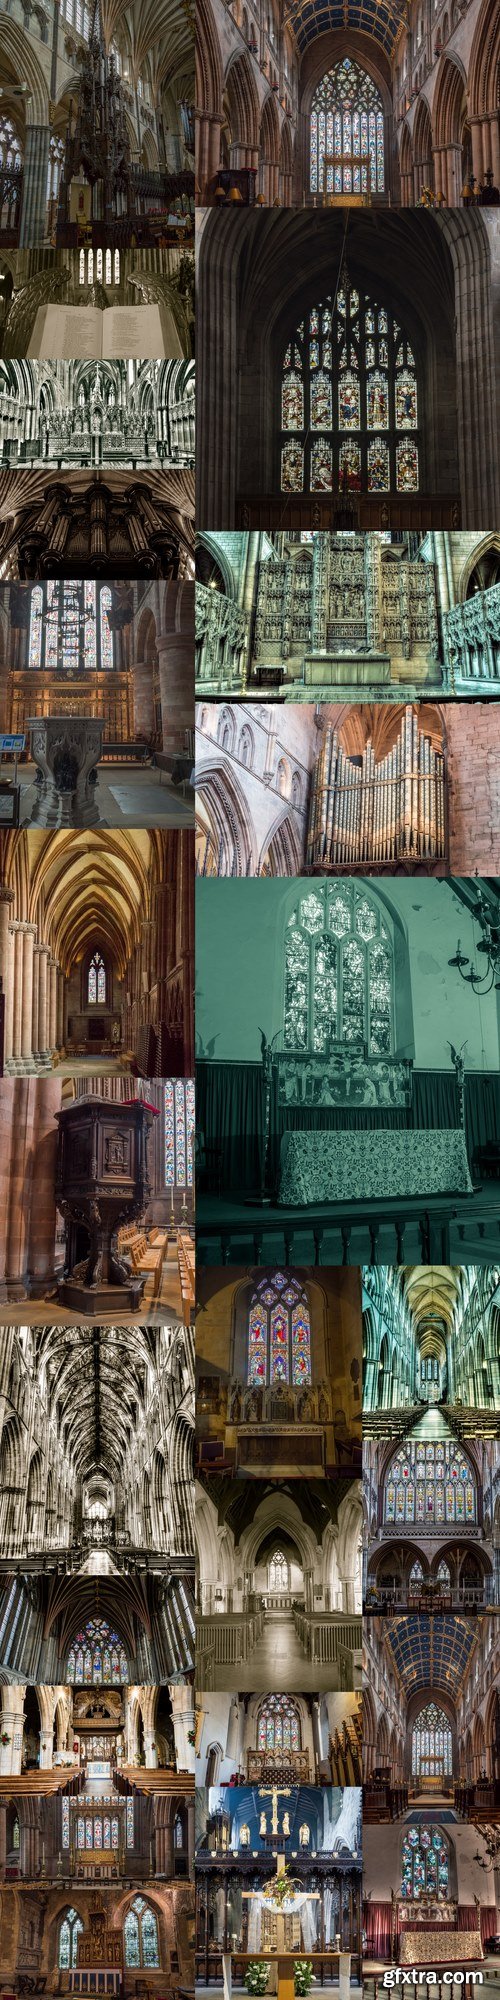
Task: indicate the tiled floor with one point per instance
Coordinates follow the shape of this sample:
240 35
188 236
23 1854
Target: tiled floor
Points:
279 1662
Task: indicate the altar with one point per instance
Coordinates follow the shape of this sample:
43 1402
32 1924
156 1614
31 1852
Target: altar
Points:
327 1167
440 1947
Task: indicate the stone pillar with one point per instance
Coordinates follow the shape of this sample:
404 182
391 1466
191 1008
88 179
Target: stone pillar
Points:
6 900
29 935
3 1841
21 1106
12 1725
52 1005
61 988
34 201
42 1239
17 1016
176 670
43 1007
37 949
183 1721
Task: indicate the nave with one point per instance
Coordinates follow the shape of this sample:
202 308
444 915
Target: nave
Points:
294 1619
96 951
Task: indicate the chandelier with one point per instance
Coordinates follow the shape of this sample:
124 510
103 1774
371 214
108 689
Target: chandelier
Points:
491 1857
489 946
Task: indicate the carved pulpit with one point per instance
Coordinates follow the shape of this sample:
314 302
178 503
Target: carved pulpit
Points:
102 1180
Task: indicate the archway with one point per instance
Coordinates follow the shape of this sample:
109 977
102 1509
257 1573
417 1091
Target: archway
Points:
423 171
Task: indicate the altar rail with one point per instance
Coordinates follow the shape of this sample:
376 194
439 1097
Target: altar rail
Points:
322 1634
230 1637
389 811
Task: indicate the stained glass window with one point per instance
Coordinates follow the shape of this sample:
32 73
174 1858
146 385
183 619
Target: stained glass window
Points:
430 1484
338 972
347 133
96 981
279 1332
141 1935
65 1822
425 1866
68 1940
431 1753
278 1726
106 633
179 1133
349 402
87 1656
65 634
130 1822
278 1572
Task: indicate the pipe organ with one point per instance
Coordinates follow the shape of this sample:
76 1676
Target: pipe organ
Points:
373 814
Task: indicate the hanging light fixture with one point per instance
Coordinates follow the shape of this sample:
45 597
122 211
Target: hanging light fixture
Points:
489 946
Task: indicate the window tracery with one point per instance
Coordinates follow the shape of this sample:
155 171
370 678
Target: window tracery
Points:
97 1657
279 1333
425 1866
431 1484
141 1935
179 1133
278 1726
69 1931
349 402
67 635
279 1574
96 981
338 973
347 127
431 1747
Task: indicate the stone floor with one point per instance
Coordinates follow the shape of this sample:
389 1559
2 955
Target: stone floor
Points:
278 1661
125 795
166 1309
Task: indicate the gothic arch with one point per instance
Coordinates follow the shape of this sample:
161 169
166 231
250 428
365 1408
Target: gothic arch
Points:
16 46
484 62
227 812
422 145
209 79
482 553
281 852
447 104
242 101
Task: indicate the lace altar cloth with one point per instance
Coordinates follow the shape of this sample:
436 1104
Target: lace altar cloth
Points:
358 1166
448 1947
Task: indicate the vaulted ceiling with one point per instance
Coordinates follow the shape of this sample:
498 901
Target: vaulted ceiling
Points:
432 1652
380 18
97 1383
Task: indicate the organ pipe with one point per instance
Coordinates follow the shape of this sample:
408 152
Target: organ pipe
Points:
377 812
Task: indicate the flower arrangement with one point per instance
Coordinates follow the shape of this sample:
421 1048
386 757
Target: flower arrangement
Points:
4 1738
191 1736
281 1891
256 1976
303 1975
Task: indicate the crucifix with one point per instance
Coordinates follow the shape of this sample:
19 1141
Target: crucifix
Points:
274 1792
298 1896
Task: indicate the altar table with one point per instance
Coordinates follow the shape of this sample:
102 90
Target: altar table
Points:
445 1947
324 1166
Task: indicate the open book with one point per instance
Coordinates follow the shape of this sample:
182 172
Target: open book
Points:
84 333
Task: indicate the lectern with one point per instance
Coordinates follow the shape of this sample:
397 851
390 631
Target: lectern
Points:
102 1180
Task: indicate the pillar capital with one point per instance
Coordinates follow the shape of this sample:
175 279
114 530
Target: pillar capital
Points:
6 895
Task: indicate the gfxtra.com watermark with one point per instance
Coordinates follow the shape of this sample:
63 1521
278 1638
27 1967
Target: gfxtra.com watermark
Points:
401 1975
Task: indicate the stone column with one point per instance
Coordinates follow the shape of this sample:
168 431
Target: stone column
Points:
37 950
18 994
29 935
12 1725
176 670
53 1006
6 900
183 1721
34 201
22 1107
61 988
190 1837
41 1260
43 1007
6 969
